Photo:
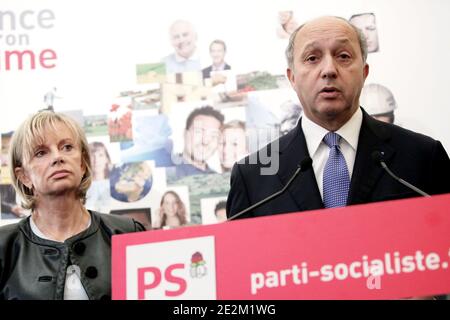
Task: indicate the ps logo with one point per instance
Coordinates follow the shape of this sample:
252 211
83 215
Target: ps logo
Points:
177 269
155 276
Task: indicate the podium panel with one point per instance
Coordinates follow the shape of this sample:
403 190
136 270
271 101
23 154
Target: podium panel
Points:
384 250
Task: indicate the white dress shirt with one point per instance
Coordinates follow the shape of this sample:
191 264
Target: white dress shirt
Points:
218 68
177 64
318 150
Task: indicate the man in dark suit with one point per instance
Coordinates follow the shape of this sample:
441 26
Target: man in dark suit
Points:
327 68
217 50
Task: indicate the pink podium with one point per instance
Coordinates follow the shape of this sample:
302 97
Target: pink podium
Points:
385 250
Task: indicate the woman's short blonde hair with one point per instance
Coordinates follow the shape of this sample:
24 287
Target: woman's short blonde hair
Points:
31 134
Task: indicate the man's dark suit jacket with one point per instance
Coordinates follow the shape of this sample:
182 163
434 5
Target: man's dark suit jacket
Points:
207 71
418 159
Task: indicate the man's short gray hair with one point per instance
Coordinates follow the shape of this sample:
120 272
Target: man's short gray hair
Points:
290 48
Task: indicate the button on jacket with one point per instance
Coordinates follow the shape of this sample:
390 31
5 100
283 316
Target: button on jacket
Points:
35 268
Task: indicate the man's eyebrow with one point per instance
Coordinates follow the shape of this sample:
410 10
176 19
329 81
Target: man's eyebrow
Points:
310 46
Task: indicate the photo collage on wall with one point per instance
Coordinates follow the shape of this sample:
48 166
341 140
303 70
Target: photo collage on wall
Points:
181 128
162 151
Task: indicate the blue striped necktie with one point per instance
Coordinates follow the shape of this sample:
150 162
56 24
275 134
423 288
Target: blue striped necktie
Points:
336 179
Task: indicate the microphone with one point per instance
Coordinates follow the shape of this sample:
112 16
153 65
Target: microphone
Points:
378 158
304 165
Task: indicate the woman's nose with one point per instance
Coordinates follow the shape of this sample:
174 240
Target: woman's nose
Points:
57 158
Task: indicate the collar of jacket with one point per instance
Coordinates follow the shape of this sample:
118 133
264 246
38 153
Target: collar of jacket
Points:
25 228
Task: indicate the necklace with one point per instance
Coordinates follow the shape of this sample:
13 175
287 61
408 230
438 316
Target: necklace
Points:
58 233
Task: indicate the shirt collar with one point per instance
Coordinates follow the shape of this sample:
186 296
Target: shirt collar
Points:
40 234
350 131
26 228
219 68
315 133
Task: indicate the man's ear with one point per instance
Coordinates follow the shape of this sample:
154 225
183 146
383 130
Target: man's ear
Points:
290 76
366 71
23 178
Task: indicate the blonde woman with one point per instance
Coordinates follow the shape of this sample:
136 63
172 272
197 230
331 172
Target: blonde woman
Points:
62 251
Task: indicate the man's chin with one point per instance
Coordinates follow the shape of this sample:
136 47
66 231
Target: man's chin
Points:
333 109
185 53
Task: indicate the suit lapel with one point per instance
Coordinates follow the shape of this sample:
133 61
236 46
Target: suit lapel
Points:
304 190
366 172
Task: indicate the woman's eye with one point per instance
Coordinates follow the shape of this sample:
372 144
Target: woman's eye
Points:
68 147
39 153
